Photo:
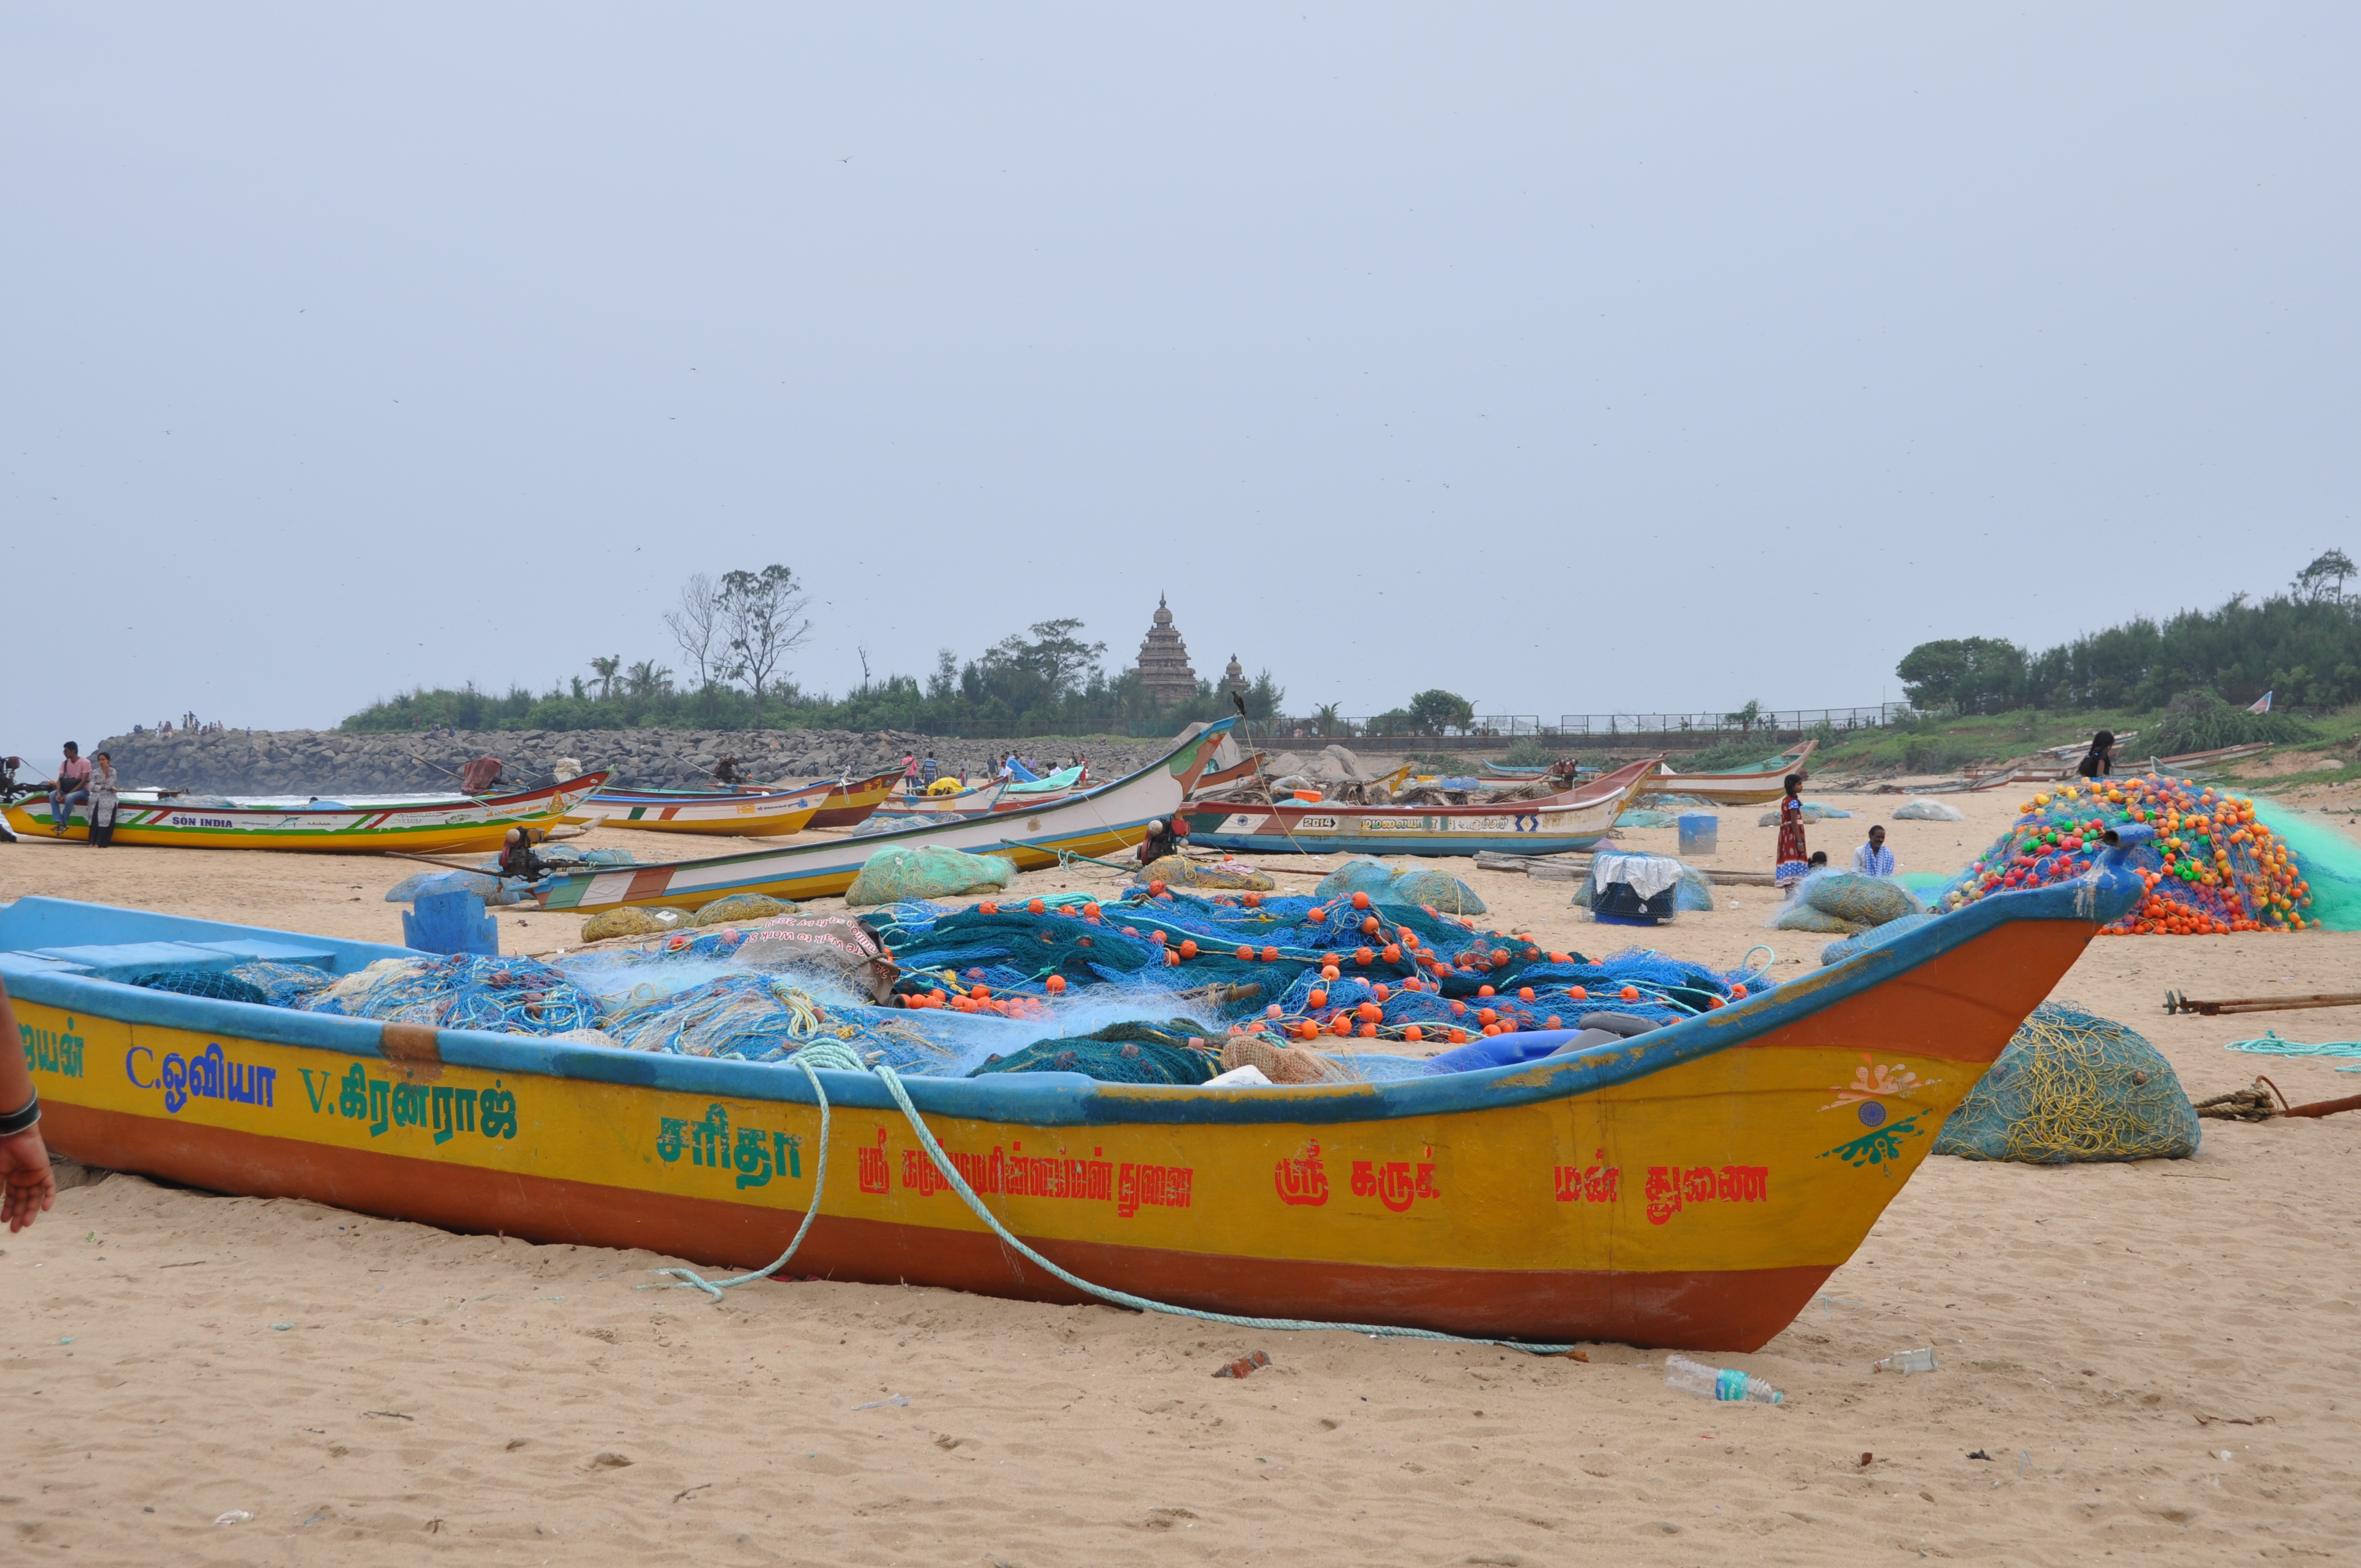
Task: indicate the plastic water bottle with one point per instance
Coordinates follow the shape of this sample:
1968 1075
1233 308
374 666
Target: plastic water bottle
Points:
1907 1361
1716 1383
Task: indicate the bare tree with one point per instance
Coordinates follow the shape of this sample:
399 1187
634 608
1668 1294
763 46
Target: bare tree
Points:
761 618
696 626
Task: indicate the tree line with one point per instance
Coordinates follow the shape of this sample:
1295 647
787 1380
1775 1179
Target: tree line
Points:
2303 646
735 638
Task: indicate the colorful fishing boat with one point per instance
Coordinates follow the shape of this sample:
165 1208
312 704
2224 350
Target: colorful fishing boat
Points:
1692 1187
743 812
1742 786
1576 819
354 825
1107 819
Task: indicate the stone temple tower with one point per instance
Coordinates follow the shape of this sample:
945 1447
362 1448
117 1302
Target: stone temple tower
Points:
1233 679
1164 672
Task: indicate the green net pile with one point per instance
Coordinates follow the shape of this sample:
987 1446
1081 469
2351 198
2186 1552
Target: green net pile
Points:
1120 1053
2072 1086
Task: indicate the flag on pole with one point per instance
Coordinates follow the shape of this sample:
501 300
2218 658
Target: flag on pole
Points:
2260 704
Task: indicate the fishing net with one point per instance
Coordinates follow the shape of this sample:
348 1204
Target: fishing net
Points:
218 984
2329 865
741 907
1859 900
1439 889
490 889
899 871
1812 812
1643 816
2072 1086
631 923
1927 811
282 984
750 1016
1179 871
1876 937
2214 867
1802 916
1120 1053
464 991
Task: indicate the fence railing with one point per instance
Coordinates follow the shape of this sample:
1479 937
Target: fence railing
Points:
1592 728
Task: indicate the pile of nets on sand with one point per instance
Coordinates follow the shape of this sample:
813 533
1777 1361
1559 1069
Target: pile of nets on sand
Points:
2212 868
1439 890
2072 1086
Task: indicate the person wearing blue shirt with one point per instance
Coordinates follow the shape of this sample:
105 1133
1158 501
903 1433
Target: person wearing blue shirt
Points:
1874 859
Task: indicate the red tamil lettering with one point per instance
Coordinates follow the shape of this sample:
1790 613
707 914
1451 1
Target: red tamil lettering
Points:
1302 1180
1663 1192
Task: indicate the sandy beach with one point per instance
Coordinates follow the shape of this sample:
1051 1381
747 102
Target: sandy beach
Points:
2136 1360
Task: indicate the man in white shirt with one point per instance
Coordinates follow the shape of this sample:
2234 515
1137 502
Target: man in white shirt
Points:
1874 859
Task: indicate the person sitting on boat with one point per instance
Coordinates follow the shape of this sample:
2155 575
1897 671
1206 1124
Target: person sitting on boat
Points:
1874 859
517 858
103 801
1791 860
71 789
480 777
2100 760
725 772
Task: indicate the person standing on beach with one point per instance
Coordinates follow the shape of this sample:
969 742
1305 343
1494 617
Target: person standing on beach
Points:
103 801
27 1186
1794 860
73 774
2100 760
910 776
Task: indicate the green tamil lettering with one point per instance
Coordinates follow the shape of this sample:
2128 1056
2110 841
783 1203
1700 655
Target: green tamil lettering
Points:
381 1112
354 1100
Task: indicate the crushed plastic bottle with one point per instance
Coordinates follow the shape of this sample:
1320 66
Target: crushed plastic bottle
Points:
1717 1383
1907 1361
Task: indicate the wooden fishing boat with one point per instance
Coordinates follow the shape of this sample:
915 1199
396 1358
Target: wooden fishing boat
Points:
756 814
1745 786
849 801
1576 819
1694 1187
1112 818
355 825
751 813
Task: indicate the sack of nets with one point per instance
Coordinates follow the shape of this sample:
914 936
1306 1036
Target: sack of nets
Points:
2072 1086
901 872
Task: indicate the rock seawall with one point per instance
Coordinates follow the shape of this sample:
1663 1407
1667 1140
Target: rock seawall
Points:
331 761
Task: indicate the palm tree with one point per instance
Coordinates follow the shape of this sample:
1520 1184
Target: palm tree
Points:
1323 719
647 678
605 670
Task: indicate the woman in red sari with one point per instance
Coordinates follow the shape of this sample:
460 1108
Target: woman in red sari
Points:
1793 858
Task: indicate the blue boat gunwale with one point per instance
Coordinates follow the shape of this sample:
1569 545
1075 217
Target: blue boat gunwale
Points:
1060 1100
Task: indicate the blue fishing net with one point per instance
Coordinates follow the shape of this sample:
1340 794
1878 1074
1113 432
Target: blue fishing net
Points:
282 984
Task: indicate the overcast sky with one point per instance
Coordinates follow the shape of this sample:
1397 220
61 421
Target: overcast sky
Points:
1576 360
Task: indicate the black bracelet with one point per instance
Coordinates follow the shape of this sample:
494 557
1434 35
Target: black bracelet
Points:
22 1118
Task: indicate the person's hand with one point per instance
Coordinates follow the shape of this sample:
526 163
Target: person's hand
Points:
27 1187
